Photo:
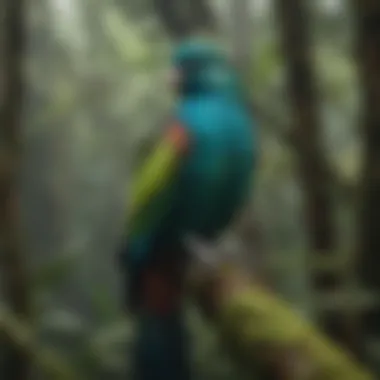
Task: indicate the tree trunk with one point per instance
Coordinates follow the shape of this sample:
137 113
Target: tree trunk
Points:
314 173
368 54
15 288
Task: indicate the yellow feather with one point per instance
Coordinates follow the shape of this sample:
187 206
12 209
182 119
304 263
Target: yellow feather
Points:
153 176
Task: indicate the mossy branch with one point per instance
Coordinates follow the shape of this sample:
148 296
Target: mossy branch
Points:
259 326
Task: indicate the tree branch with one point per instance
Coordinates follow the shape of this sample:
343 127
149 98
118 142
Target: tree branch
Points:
258 326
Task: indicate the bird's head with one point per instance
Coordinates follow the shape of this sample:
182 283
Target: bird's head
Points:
202 66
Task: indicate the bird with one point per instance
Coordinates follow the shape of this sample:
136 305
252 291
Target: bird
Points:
198 176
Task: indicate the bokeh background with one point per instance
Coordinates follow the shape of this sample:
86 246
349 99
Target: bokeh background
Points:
95 99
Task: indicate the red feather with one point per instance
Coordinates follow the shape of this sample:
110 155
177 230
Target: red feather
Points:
178 136
160 294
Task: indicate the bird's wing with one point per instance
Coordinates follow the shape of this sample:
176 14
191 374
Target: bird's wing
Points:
155 177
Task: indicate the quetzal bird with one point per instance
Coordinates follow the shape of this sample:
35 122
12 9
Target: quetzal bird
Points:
198 176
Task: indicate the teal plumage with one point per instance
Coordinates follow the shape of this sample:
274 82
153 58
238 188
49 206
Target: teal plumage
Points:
209 183
216 179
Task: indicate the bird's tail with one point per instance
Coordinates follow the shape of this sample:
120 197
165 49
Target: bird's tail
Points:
161 348
161 344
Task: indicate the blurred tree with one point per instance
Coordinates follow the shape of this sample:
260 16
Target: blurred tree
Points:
15 285
368 54
183 17
241 35
313 168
